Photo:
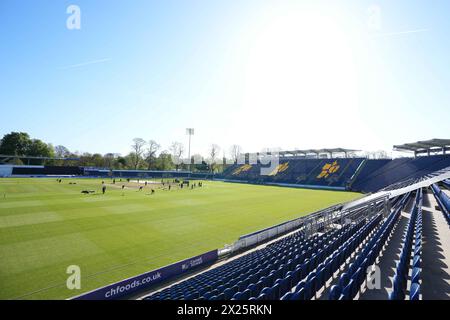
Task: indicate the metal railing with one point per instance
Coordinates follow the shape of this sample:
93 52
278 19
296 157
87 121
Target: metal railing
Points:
311 224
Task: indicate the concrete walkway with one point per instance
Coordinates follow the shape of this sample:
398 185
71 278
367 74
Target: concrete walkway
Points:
436 252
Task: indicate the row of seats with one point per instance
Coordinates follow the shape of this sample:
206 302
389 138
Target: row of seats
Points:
350 281
446 183
412 237
443 201
267 273
230 274
401 169
411 181
305 272
307 288
273 287
404 184
373 170
357 174
297 268
320 172
367 169
438 173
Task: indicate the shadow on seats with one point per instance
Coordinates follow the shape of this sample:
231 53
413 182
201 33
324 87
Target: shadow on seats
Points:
426 201
387 263
435 271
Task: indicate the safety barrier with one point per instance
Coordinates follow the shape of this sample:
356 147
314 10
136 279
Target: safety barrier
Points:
149 279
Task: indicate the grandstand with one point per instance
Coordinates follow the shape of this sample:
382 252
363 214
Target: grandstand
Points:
334 261
355 174
225 158
331 262
398 232
312 168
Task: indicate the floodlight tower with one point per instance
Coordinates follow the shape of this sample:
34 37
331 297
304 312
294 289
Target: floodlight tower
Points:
190 133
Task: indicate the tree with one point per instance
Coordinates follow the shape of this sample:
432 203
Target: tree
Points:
121 163
235 152
213 153
16 161
199 163
109 160
37 148
20 144
380 154
150 156
177 151
97 160
138 149
85 160
164 161
71 162
15 143
61 152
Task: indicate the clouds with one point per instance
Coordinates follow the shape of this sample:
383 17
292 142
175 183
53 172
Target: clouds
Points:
85 64
400 33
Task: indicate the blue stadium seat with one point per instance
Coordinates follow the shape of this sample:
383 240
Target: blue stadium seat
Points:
296 268
347 292
287 296
299 295
344 280
335 292
237 296
415 291
415 277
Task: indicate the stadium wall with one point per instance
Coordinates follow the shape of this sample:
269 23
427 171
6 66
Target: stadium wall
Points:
46 171
150 279
134 174
288 185
5 171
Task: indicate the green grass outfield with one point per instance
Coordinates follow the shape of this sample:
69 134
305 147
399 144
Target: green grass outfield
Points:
46 226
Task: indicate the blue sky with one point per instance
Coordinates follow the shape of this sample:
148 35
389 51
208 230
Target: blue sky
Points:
262 74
